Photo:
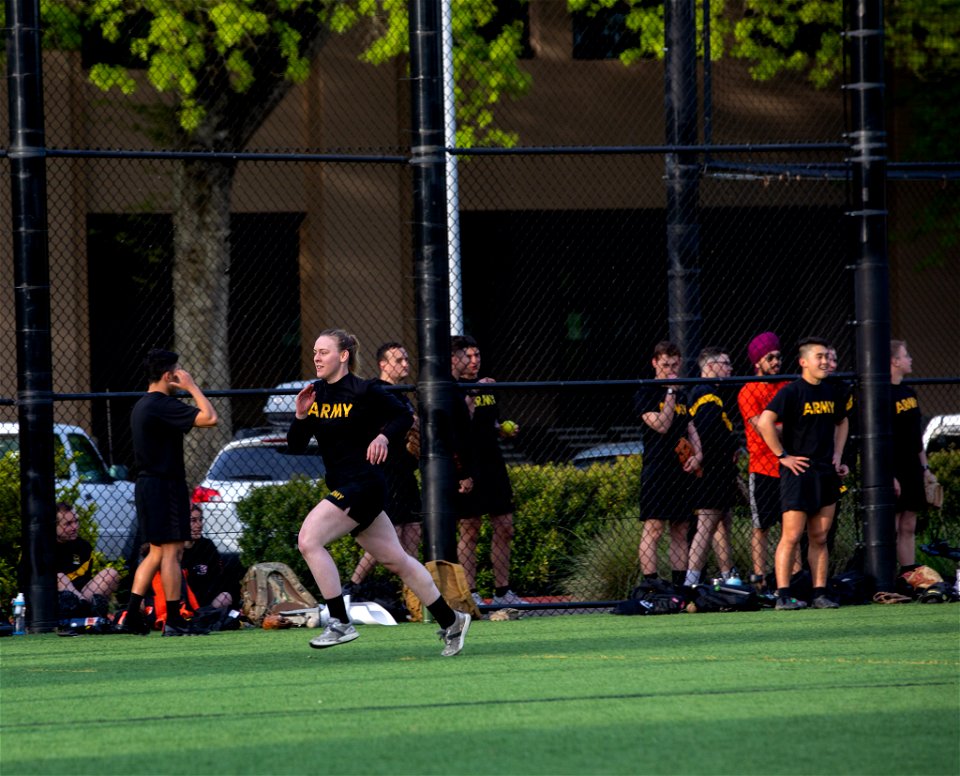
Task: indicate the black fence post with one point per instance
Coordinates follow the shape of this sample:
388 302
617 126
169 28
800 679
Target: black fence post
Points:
435 387
868 218
682 175
28 184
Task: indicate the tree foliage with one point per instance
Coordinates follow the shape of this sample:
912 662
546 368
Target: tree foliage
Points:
776 36
199 52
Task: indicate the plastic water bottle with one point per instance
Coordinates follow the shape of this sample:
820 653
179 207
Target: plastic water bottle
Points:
19 615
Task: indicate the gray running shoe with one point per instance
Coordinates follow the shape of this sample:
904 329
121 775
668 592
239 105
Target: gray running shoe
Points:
822 602
454 636
790 603
335 633
507 599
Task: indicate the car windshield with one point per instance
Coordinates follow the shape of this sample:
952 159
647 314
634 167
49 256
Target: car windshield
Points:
89 465
264 463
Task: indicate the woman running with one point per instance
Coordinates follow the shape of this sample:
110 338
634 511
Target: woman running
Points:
355 423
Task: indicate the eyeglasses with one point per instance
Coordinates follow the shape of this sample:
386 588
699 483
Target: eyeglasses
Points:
724 362
773 357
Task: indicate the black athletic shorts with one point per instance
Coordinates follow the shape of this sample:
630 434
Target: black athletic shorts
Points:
808 492
717 488
765 501
403 498
362 497
913 496
492 493
163 510
666 492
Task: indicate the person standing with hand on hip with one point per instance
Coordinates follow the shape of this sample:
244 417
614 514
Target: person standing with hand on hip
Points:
814 432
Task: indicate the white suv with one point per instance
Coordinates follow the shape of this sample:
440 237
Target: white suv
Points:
237 469
78 462
942 433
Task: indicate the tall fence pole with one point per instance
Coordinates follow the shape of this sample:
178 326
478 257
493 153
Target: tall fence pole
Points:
435 386
682 175
868 218
28 184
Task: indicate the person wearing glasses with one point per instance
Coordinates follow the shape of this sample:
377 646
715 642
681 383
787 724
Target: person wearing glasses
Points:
764 469
719 447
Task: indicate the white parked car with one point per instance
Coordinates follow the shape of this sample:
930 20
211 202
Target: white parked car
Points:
280 408
941 433
606 453
240 467
78 462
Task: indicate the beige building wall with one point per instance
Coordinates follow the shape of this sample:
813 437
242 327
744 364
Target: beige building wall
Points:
362 279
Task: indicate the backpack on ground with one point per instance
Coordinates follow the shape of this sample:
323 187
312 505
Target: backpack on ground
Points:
652 596
272 588
726 598
451 581
851 588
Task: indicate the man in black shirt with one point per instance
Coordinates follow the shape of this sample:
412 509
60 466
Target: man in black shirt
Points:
717 489
80 591
666 484
202 563
403 494
159 422
814 432
910 469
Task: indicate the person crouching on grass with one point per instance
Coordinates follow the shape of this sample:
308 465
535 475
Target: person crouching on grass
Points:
814 432
355 423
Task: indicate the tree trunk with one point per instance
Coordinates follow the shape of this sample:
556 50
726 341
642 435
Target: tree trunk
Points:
201 290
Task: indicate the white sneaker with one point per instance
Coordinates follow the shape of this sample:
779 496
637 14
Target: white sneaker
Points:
335 633
477 599
454 636
507 599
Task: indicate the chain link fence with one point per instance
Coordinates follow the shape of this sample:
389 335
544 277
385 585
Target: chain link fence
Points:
236 243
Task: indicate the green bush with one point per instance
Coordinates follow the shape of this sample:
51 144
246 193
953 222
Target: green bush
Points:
576 531
943 523
559 509
273 515
11 529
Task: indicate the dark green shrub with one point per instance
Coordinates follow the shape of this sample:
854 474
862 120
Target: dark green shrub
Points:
943 523
10 526
273 515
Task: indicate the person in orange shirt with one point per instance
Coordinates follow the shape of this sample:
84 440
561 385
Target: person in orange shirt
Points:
764 353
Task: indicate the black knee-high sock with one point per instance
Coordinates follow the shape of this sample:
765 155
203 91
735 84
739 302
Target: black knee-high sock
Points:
337 609
173 614
133 609
442 613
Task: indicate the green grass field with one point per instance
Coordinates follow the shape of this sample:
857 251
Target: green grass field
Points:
865 690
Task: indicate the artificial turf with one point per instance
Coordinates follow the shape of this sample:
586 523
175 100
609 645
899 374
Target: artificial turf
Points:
861 690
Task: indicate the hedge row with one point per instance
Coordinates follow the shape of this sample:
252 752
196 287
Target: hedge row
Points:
576 531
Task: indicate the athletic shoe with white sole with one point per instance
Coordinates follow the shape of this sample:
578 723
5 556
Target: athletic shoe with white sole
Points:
507 599
334 633
454 636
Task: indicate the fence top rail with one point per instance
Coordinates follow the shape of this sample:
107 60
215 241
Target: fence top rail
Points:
233 156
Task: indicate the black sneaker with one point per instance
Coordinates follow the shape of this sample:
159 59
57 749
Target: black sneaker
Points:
822 602
790 603
180 630
131 626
